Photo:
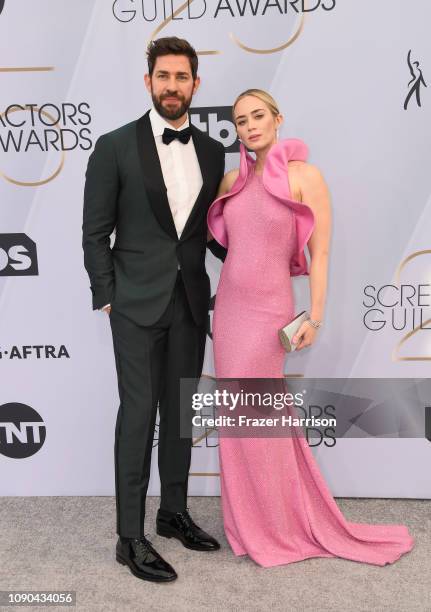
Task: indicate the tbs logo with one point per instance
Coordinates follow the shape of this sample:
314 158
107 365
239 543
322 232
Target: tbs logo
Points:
217 122
18 256
22 431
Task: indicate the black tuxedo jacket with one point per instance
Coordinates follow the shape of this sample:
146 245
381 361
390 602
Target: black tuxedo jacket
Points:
125 190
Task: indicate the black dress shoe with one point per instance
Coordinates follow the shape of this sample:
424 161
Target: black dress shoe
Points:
144 562
181 527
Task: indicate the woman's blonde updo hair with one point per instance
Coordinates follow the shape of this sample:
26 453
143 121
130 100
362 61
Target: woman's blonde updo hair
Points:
262 95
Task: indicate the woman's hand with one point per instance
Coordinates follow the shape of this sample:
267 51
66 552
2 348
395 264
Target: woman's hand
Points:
304 336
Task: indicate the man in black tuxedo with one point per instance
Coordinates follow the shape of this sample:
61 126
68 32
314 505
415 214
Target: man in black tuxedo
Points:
153 181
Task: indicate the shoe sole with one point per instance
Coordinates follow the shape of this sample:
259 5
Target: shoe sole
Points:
122 561
168 534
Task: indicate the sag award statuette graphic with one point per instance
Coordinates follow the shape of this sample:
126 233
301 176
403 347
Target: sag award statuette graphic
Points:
415 83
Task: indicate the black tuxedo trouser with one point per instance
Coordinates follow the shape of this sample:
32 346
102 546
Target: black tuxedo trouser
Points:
150 362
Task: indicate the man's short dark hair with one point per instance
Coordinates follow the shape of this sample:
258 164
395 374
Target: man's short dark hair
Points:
168 46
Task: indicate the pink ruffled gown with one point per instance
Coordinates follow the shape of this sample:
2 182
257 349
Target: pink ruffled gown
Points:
276 505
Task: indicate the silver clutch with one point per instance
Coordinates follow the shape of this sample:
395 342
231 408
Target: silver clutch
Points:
287 332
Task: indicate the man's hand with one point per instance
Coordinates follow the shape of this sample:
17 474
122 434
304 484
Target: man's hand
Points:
107 309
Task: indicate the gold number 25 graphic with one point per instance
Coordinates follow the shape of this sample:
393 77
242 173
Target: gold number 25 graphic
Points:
234 38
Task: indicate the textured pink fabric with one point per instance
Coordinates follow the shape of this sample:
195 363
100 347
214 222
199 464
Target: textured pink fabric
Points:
274 178
276 505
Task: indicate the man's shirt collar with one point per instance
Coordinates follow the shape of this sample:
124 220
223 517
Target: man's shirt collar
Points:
158 123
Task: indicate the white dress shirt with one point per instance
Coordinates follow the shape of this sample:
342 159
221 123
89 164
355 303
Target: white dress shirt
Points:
180 168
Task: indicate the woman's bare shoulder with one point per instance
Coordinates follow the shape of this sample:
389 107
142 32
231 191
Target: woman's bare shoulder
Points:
305 170
227 181
230 177
304 179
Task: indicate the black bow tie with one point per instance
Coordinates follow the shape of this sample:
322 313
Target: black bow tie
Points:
169 135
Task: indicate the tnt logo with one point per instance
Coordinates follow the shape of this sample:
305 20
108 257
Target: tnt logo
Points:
18 255
217 122
22 431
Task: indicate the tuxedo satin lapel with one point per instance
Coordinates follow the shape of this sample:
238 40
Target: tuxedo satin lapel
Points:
206 169
153 175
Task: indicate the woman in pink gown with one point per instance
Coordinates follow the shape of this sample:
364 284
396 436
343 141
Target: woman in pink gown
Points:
276 505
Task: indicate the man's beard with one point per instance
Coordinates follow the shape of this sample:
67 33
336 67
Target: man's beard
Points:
171 113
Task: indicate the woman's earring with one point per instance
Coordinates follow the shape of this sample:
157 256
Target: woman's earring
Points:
277 134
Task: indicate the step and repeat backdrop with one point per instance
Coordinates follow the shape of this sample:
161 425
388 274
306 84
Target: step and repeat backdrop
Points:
350 77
